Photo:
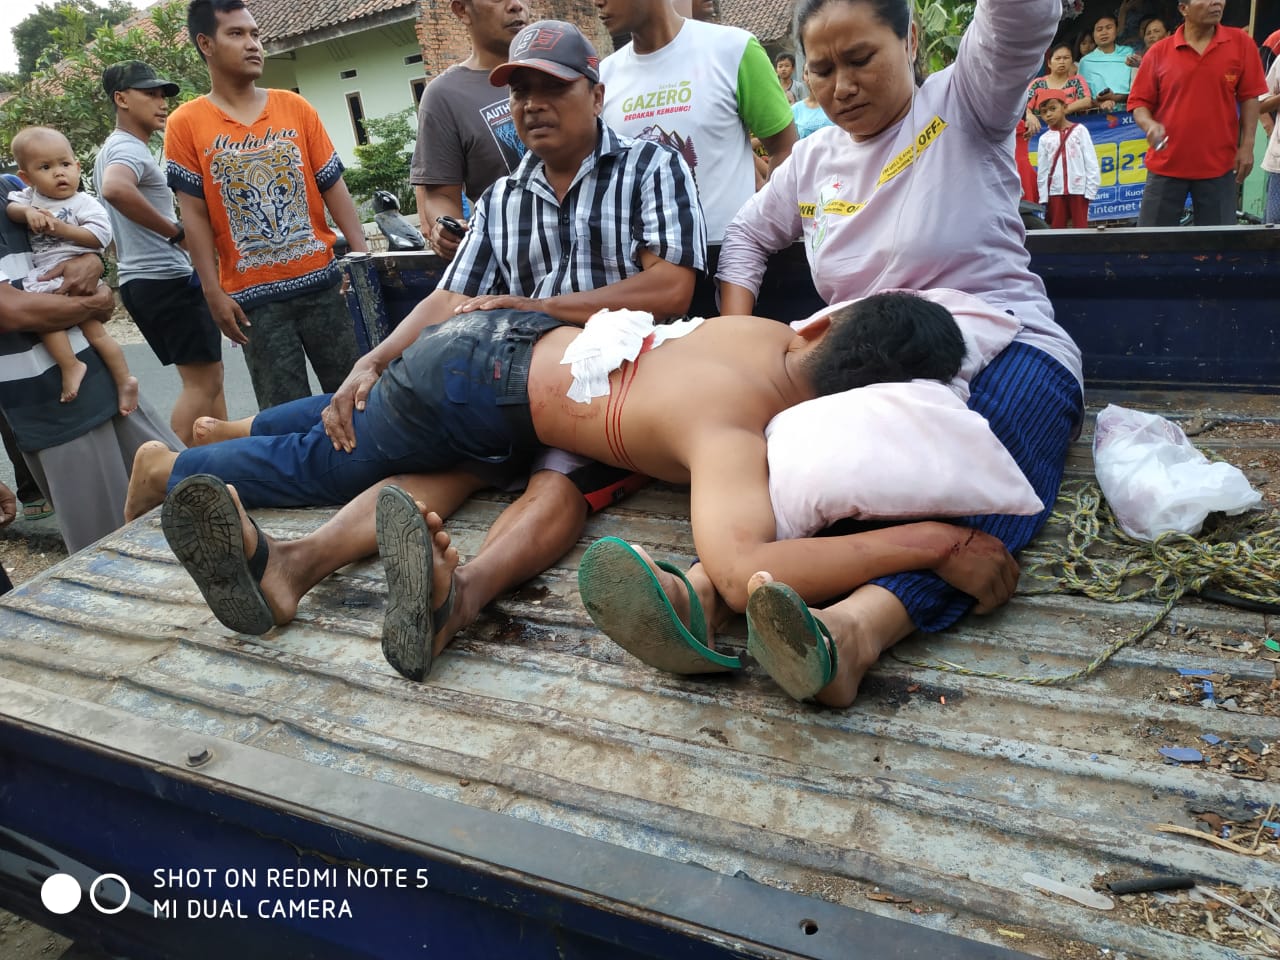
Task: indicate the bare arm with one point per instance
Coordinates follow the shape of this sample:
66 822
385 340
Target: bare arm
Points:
1248 131
44 223
81 276
226 312
734 528
343 210
120 189
1155 131
779 145
439 200
22 311
661 288
736 301
1269 103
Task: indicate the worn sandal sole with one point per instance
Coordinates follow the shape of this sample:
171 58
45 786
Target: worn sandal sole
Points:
788 642
202 526
625 600
404 544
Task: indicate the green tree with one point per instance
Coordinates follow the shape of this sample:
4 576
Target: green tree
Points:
941 24
69 94
383 162
56 29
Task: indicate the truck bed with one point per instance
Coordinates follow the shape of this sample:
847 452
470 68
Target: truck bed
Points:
542 771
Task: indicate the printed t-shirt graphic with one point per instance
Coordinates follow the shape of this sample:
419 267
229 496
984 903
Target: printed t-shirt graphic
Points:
263 184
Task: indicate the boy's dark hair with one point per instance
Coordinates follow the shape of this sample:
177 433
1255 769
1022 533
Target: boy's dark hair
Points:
1114 18
886 338
202 17
790 58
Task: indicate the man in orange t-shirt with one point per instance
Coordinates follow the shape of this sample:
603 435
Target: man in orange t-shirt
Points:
254 170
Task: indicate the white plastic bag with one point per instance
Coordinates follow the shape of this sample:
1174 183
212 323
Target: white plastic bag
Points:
1156 481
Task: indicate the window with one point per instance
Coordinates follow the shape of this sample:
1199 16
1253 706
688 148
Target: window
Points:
356 109
347 75
418 86
412 58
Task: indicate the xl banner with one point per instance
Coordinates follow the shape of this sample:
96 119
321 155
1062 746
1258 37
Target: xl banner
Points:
1122 157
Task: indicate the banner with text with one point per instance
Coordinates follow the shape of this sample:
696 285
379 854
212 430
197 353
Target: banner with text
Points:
1122 159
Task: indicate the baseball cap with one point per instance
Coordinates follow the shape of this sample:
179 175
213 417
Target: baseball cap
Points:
1044 94
134 75
551 46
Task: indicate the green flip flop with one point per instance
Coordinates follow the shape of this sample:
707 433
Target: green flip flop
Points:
793 646
626 601
202 526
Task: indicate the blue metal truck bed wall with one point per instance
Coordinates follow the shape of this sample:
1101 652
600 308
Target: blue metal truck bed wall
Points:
1192 307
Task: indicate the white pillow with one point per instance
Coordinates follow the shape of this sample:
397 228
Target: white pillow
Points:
889 451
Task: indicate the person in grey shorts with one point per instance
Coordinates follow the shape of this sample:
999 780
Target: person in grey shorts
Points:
157 284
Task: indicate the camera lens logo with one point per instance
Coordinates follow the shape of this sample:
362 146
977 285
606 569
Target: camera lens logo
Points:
61 893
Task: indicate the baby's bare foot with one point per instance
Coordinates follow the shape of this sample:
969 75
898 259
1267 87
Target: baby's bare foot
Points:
127 394
72 377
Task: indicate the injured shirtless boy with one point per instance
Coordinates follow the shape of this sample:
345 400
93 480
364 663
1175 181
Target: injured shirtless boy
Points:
493 386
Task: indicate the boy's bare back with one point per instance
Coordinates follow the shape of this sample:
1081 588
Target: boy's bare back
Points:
726 376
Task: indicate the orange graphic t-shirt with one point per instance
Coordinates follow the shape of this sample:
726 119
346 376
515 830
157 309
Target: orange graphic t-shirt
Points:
263 184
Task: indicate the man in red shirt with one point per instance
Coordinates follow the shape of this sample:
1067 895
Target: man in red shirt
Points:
1196 99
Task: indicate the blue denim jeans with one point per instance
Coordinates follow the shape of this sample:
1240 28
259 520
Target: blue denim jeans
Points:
458 397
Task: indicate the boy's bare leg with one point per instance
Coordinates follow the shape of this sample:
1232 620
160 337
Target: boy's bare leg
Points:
149 478
113 359
526 539
71 367
214 429
295 566
201 396
863 626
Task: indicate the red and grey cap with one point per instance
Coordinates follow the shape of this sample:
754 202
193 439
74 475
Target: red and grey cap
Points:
550 46
1047 93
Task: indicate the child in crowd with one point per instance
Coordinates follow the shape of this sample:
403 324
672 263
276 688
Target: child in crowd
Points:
64 223
809 117
1066 164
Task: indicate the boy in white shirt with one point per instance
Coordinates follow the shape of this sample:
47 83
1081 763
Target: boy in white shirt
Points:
1066 164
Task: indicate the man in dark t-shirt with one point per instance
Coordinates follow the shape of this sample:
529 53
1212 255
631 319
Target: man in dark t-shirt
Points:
466 139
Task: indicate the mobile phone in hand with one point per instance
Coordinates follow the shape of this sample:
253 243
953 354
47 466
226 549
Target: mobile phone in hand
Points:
452 225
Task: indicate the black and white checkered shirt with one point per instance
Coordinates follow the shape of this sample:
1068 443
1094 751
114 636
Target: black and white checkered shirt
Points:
627 195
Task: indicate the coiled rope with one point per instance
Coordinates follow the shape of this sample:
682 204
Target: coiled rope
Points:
1083 550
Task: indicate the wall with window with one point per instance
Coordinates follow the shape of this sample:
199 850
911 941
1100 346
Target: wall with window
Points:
355 77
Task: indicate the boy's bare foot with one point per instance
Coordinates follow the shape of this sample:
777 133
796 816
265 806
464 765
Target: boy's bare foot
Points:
212 430
277 585
72 377
862 626
127 395
149 478
444 563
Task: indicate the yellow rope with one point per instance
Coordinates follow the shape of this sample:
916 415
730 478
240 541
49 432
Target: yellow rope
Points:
1083 550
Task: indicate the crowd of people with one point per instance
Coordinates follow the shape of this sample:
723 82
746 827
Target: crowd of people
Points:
1192 75
584 198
